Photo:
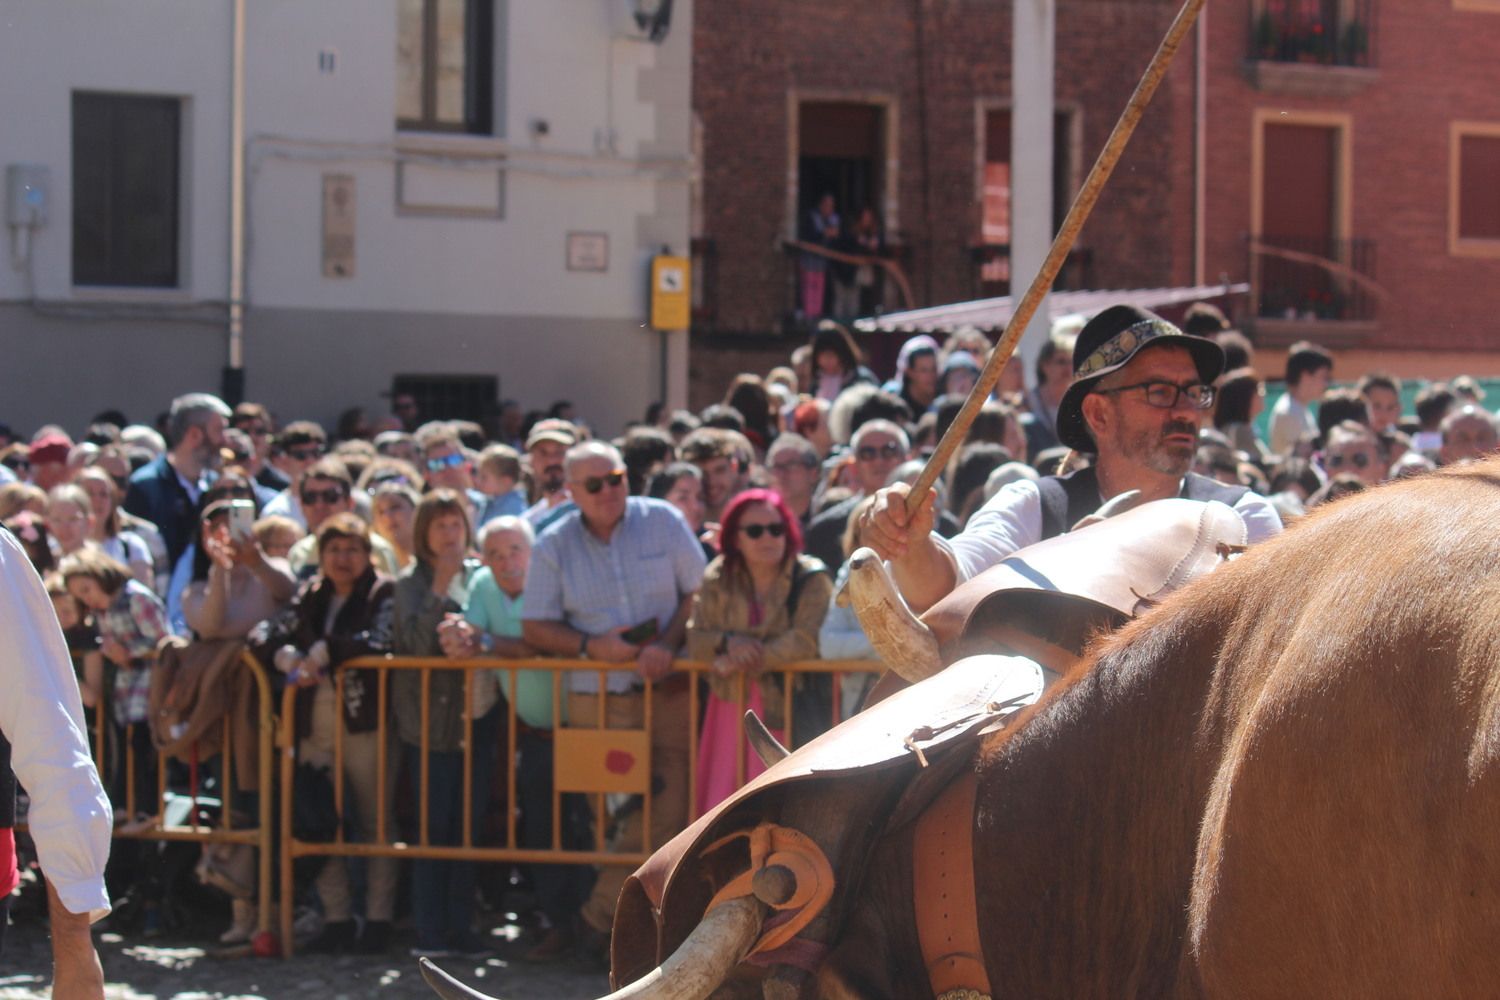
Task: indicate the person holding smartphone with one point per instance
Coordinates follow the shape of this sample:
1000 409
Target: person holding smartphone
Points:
613 581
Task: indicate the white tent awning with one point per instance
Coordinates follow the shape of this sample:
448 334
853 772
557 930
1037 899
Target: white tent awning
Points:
994 314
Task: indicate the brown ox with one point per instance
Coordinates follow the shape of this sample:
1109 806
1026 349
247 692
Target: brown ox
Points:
1281 782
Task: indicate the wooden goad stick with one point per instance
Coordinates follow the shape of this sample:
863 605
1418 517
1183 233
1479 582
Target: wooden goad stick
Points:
1109 156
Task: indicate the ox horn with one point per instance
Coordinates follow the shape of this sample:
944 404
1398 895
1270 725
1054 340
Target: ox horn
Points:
766 746
719 943
1114 505
901 639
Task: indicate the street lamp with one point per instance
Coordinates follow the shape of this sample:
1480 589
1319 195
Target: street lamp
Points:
653 18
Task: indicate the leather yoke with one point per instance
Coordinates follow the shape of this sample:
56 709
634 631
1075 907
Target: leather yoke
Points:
903 731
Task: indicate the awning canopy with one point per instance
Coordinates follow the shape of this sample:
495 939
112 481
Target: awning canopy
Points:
993 314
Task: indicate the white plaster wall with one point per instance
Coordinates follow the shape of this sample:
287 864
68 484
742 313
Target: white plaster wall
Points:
160 47
614 161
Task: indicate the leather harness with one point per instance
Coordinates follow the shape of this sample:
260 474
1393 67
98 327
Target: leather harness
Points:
946 910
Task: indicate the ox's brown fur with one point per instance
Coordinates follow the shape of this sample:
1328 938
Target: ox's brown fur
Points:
1282 782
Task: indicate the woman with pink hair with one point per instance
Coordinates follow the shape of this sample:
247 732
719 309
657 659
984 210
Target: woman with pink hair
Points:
760 607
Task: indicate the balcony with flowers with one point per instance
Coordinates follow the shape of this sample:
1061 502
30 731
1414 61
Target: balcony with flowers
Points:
1313 48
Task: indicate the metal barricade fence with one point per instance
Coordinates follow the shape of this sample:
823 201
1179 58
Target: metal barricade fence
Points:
590 758
156 827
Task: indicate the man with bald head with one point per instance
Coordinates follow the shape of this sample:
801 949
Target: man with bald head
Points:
1141 392
613 581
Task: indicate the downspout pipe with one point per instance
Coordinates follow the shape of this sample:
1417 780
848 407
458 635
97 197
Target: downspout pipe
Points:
233 388
1200 148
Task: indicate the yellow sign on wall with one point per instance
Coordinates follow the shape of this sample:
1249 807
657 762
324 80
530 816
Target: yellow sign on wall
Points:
671 293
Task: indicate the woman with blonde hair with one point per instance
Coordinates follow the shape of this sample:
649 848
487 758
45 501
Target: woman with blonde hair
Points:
109 531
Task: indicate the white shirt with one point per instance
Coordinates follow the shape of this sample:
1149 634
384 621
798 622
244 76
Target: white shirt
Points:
41 714
1290 420
286 504
1012 520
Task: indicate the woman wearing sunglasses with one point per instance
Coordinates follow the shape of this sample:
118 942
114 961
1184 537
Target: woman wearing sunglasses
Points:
760 606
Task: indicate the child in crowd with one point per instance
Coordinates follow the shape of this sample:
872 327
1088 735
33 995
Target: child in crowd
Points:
276 535
131 621
498 476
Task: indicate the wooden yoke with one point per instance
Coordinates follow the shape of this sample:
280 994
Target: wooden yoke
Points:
1083 205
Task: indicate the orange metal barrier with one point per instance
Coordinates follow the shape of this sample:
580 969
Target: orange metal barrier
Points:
594 760
258 836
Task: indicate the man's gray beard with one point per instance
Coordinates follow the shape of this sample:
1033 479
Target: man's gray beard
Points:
1149 450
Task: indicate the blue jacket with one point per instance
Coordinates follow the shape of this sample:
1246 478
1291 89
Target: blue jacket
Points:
157 495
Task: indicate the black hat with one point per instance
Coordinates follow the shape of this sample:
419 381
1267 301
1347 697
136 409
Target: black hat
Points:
1106 344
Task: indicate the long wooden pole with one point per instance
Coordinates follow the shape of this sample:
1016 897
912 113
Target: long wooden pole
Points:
1109 156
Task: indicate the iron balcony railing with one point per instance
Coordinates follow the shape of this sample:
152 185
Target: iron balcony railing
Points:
1301 278
1320 32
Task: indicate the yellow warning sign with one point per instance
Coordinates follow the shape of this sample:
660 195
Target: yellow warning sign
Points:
671 293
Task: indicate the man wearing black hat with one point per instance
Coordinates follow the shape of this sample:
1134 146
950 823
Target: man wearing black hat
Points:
1141 391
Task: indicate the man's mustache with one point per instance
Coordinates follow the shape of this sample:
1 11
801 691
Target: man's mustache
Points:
1179 427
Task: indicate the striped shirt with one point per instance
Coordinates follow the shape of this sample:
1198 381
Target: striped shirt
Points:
649 564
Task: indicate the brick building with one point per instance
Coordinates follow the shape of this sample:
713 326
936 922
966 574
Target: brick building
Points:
1354 143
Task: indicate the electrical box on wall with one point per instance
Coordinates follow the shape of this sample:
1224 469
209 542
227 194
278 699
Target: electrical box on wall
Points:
27 192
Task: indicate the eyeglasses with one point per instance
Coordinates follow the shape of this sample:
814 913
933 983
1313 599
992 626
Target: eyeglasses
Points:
452 461
870 452
805 462
330 496
593 484
1360 460
305 454
754 531
1164 395
255 430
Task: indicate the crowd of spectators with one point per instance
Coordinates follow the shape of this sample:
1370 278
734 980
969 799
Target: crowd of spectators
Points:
716 536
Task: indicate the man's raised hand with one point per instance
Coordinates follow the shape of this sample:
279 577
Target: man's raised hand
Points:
889 529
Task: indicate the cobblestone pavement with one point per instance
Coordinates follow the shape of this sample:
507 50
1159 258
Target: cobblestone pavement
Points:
188 970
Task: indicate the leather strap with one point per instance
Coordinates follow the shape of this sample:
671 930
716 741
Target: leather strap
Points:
943 883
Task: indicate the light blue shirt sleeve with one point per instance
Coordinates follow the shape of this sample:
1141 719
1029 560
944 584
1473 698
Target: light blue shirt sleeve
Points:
687 555
182 575
544 591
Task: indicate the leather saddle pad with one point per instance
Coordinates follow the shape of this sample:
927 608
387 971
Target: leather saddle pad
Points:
965 698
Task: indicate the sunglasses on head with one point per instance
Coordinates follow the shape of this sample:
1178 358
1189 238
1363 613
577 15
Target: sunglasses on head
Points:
231 493
593 484
379 481
452 461
332 495
870 452
754 531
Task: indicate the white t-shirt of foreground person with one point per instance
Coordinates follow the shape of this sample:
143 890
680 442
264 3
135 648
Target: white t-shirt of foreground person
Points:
41 717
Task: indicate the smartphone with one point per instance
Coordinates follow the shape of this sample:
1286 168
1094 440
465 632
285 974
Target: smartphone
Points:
642 633
241 520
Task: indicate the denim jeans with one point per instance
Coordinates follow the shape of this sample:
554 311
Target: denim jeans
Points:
443 891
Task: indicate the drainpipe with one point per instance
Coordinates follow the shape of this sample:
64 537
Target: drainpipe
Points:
1200 147
234 371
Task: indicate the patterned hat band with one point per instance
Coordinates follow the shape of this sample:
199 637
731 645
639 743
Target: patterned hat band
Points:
1117 349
